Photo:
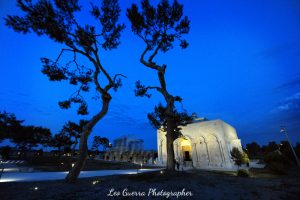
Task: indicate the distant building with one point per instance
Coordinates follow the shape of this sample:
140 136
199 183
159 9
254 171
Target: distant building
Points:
128 143
129 149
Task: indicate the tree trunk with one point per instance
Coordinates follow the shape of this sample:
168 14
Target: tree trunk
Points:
83 147
170 146
170 154
83 152
74 146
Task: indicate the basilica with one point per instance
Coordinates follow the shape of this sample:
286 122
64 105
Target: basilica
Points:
204 145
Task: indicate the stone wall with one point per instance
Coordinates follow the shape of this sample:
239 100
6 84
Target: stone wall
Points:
210 142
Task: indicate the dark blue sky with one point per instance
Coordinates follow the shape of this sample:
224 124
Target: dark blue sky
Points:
242 66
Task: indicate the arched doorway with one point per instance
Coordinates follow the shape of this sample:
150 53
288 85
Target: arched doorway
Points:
183 149
186 149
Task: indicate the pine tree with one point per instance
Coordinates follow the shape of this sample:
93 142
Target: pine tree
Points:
160 28
56 20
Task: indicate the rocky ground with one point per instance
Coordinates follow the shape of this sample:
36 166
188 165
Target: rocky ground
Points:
195 184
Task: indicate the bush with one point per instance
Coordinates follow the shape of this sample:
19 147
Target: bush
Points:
277 157
239 156
277 168
243 173
5 152
277 162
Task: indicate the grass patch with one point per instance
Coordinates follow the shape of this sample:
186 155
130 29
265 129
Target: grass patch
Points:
64 163
157 176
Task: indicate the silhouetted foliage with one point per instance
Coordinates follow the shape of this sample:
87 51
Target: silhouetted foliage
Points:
31 136
160 28
271 147
56 20
98 141
158 119
25 137
9 125
141 90
39 152
5 152
285 148
61 141
253 150
277 162
277 154
73 131
279 157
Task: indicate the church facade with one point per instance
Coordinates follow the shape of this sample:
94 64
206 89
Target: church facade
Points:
204 145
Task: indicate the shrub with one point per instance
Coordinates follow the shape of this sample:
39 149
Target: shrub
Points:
277 168
277 157
243 173
239 156
278 163
5 152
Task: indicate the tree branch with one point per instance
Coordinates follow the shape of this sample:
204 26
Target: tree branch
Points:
110 85
115 76
154 53
98 87
148 64
154 87
101 68
60 54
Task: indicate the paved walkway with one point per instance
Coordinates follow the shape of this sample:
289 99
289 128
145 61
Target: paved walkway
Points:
45 176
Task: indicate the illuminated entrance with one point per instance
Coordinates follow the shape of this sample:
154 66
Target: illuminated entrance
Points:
186 149
183 149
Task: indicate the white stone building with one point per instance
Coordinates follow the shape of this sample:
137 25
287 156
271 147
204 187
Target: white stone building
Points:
129 149
128 143
204 145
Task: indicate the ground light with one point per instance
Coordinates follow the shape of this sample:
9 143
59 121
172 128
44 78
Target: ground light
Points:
36 188
95 182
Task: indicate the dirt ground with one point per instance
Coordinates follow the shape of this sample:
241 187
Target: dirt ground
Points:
194 184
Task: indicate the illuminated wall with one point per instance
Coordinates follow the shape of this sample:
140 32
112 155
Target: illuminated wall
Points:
207 142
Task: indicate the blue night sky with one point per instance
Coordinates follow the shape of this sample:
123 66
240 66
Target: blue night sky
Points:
242 66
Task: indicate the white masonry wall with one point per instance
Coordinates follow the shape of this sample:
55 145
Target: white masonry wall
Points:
211 143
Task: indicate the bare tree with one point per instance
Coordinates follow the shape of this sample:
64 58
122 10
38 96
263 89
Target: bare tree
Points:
56 19
160 28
